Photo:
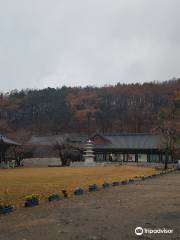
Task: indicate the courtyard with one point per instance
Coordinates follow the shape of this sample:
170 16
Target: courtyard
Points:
111 214
16 184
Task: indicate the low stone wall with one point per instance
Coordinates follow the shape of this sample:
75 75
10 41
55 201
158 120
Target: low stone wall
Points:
83 164
57 162
149 164
140 164
10 164
42 162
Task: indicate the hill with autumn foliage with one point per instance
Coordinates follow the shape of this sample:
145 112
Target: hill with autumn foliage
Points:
109 109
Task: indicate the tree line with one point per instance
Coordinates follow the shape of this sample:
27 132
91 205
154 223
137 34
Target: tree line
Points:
109 109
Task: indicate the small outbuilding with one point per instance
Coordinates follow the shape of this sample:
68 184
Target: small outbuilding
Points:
5 144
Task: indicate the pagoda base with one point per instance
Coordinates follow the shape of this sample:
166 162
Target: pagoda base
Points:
89 164
89 160
83 164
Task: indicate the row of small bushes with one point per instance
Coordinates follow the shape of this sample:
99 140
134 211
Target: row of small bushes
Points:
33 199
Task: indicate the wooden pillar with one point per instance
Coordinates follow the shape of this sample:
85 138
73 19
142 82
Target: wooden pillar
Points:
159 157
126 157
148 157
136 157
0 153
104 156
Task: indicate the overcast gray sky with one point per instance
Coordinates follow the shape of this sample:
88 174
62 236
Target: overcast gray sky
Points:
87 42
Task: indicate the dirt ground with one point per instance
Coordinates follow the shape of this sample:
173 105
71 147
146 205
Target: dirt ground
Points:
110 214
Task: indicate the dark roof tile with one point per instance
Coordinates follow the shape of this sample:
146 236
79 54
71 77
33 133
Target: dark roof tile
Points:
6 140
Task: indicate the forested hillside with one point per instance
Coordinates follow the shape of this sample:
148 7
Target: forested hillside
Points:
110 109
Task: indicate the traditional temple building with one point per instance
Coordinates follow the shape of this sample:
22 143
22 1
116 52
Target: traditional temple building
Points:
130 147
5 144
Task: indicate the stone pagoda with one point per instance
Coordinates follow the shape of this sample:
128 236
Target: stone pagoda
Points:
89 154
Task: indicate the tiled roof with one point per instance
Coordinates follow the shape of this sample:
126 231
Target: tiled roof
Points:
115 141
50 140
6 140
133 141
45 140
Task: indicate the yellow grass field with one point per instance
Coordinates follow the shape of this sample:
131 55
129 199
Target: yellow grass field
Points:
15 184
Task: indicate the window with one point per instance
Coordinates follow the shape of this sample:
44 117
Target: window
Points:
154 157
142 157
131 157
99 157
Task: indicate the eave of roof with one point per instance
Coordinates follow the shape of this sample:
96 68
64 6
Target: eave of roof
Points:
131 141
8 141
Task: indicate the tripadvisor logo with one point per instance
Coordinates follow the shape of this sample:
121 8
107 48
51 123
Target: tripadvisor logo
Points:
140 231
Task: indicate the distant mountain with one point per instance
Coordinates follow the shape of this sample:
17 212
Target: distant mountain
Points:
109 109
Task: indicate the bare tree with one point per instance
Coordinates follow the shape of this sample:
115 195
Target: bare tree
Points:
66 152
19 155
168 132
16 153
168 143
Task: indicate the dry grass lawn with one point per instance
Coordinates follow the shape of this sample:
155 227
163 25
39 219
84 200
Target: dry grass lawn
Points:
15 184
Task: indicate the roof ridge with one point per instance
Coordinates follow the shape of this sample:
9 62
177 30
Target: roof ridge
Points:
128 134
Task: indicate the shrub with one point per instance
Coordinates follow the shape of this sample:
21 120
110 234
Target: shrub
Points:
105 185
31 200
78 191
6 209
32 197
124 182
53 197
114 184
93 188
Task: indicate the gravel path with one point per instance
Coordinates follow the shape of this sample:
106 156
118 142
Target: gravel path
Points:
110 214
